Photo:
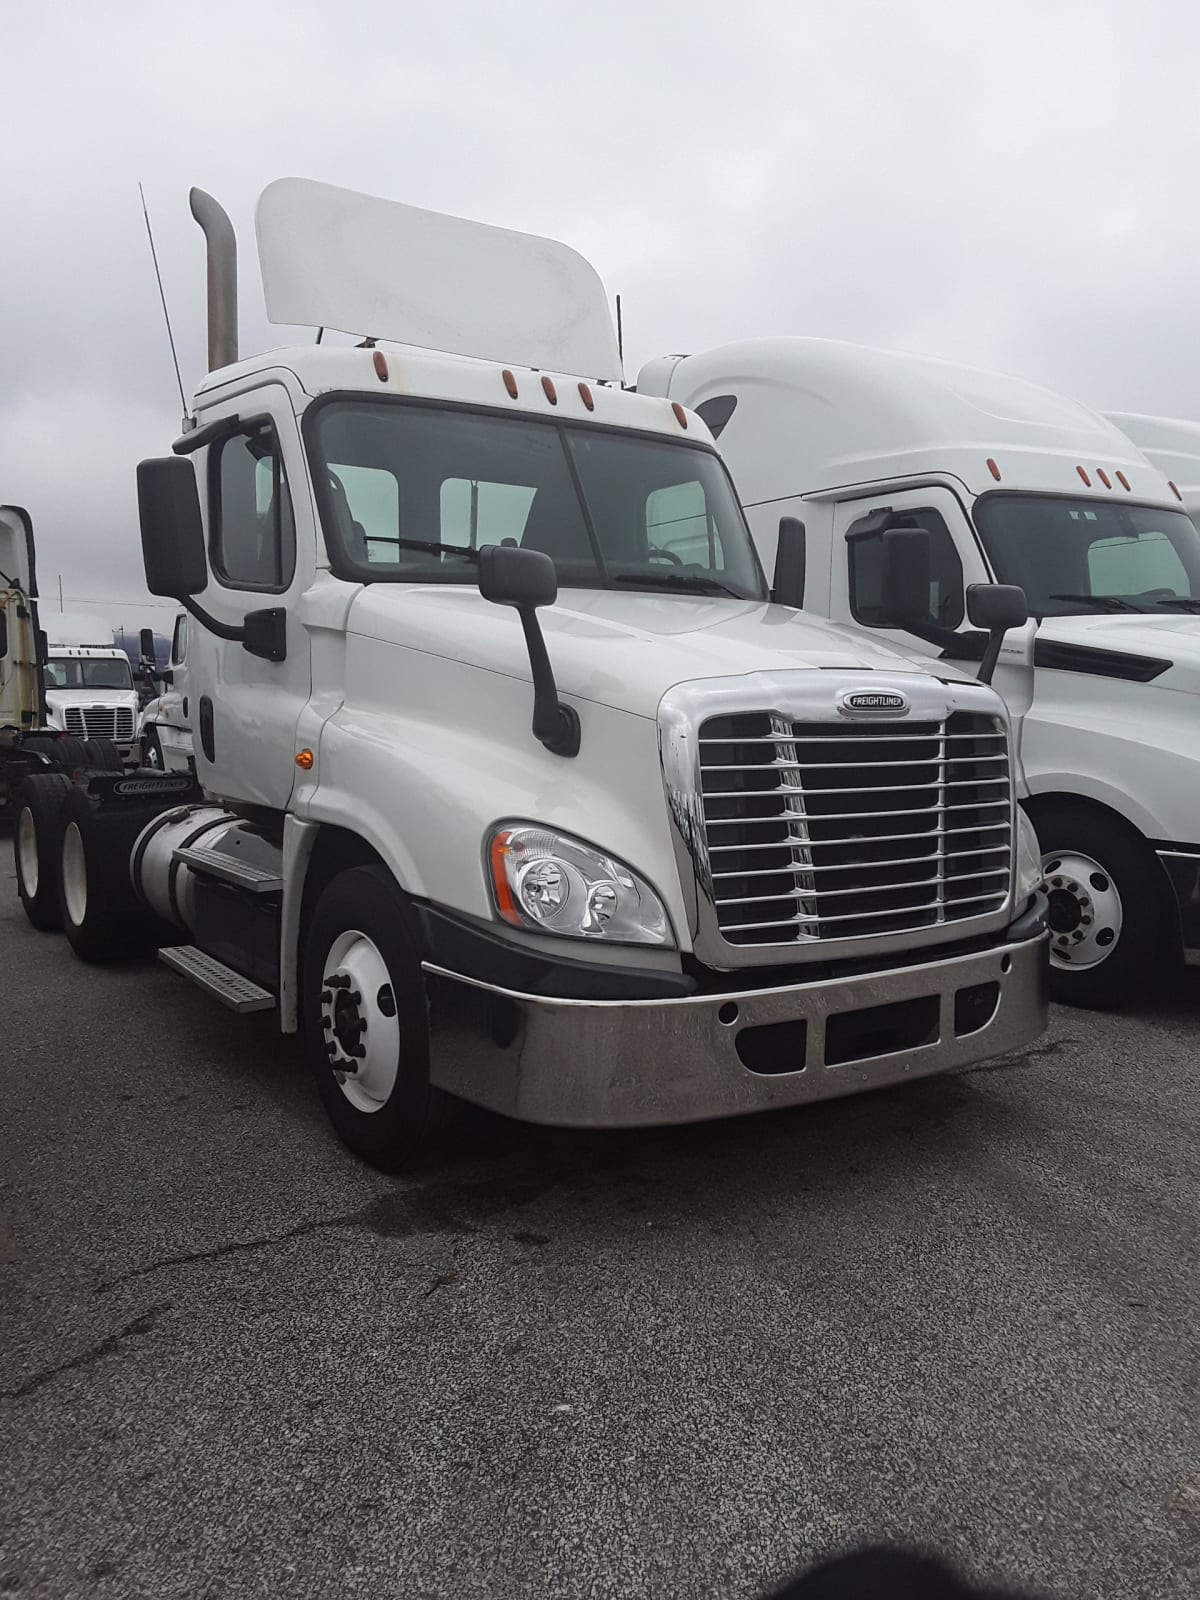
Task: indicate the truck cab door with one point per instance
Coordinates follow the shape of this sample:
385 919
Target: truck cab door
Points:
261 539
956 561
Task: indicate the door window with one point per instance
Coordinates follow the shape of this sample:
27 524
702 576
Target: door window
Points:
865 556
253 528
179 642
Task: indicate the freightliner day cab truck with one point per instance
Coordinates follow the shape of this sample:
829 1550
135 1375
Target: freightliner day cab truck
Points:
38 710
164 732
501 795
1015 484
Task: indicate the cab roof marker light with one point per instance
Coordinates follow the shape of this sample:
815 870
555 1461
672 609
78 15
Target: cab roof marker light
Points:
1084 476
680 413
549 390
510 383
993 469
1104 477
1174 489
381 366
1122 479
585 394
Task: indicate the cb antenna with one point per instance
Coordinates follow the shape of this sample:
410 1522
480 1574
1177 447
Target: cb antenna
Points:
166 314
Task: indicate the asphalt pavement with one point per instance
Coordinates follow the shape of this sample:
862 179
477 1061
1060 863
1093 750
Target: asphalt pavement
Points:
234 1362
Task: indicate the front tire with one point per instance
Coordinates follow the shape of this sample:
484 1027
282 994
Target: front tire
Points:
152 752
364 1021
1108 908
35 847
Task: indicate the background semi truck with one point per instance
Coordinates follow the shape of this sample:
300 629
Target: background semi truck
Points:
1010 482
1172 444
38 707
502 793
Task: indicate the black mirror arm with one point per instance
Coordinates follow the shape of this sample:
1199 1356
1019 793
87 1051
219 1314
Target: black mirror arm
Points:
223 630
556 725
991 654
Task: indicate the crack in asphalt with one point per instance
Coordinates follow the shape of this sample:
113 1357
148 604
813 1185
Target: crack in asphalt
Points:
86 1358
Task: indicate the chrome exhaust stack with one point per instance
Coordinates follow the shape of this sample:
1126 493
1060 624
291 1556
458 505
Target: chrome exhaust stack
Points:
222 279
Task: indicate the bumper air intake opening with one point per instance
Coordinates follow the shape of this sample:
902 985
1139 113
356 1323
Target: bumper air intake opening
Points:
975 1007
881 1030
774 1047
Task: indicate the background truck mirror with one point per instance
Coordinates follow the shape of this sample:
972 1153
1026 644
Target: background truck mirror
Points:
905 575
997 605
172 532
788 586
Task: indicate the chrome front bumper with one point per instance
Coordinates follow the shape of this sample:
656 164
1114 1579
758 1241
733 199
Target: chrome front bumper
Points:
625 1063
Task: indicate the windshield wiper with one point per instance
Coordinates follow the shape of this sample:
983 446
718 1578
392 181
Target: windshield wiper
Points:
430 547
1181 602
677 580
1106 602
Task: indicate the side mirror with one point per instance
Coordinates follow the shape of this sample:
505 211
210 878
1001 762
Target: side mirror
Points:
172 532
996 607
146 643
510 576
526 579
788 587
906 572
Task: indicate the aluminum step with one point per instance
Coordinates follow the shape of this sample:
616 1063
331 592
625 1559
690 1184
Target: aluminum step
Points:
216 979
243 874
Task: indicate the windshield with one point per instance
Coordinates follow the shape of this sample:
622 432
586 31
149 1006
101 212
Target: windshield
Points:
1072 556
76 672
411 493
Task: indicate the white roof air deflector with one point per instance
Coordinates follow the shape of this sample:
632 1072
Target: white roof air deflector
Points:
332 258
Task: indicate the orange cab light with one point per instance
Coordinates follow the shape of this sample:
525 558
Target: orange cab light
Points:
1084 476
380 360
1104 477
510 383
993 469
585 394
550 391
1122 479
304 760
505 904
1174 489
680 413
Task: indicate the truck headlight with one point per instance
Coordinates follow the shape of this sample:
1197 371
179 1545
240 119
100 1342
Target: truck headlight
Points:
551 883
1029 857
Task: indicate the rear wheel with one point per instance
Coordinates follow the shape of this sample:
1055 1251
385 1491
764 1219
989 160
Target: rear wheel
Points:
35 846
101 914
364 1021
102 755
1108 908
65 753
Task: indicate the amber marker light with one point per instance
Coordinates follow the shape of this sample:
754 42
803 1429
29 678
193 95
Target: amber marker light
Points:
304 760
501 888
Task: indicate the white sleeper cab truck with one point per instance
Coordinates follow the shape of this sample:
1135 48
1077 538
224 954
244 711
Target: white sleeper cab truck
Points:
1172 444
33 734
164 731
502 794
988 478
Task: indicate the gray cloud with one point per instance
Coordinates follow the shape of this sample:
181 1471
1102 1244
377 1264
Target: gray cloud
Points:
1007 184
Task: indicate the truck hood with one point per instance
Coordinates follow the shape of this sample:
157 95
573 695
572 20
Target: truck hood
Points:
99 698
622 650
1172 636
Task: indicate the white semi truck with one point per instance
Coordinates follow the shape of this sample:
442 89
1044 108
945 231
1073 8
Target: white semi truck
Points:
653 849
90 690
1172 444
37 728
1009 483
164 729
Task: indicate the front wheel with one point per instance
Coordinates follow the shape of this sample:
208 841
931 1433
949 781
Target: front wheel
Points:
152 753
364 1021
1108 909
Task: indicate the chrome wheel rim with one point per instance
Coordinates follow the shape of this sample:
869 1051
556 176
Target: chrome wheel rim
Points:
27 852
74 874
1085 910
360 1028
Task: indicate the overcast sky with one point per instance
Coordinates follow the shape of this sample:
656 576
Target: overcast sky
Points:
1010 184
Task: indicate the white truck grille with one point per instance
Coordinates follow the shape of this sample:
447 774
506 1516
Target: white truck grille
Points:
100 722
820 830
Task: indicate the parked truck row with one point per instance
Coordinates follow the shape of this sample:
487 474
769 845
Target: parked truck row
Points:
660 846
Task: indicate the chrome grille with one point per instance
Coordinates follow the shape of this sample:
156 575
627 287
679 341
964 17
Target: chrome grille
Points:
100 722
822 830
